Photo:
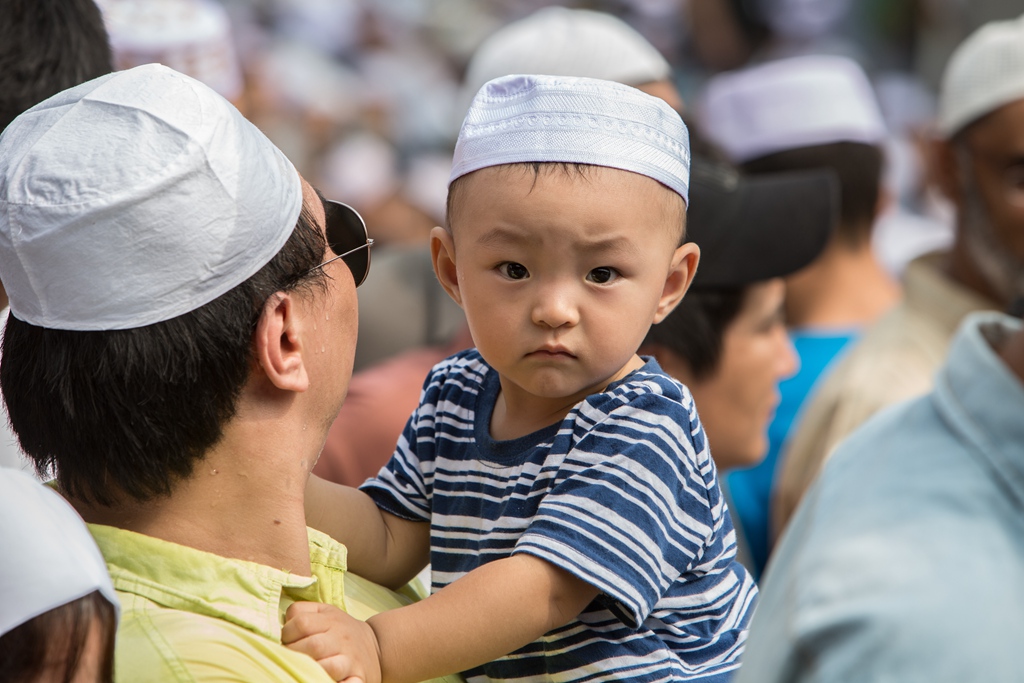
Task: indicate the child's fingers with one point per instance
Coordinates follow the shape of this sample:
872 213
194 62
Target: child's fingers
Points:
344 646
339 667
304 619
320 646
298 608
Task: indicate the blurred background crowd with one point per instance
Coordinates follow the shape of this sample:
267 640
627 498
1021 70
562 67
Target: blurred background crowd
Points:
366 98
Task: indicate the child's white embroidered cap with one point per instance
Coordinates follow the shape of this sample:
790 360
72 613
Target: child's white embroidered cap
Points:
791 103
984 73
134 198
517 119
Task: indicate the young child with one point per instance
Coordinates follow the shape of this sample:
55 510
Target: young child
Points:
560 485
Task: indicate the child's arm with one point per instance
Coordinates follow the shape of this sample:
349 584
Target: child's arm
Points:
381 547
488 613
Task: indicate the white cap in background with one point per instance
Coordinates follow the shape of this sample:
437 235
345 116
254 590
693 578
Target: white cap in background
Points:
790 103
983 74
558 41
49 558
190 36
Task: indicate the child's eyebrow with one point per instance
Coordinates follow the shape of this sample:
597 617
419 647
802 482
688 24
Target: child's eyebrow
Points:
503 236
620 245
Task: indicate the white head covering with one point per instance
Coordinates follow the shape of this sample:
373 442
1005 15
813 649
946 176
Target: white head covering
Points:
791 103
558 41
134 198
520 118
984 73
191 36
48 557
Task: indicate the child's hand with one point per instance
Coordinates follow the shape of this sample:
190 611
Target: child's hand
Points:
344 646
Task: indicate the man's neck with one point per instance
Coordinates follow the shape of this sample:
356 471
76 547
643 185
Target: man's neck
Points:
964 269
244 500
844 287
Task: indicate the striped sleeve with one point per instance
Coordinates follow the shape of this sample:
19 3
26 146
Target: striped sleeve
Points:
632 513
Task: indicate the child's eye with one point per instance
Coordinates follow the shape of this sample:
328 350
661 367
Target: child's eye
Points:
602 275
514 271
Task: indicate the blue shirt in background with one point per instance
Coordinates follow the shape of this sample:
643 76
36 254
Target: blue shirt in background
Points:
751 488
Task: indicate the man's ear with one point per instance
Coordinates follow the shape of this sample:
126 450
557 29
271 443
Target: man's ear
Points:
442 253
278 344
680 275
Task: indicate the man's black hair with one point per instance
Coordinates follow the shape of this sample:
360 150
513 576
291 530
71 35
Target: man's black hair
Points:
47 46
132 411
859 168
695 330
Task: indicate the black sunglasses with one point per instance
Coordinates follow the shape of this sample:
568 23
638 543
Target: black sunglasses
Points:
346 235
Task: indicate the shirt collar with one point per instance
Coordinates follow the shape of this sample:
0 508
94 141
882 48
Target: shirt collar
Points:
251 595
982 400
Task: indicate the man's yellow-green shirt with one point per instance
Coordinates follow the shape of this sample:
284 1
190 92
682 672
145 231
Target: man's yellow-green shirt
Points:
189 615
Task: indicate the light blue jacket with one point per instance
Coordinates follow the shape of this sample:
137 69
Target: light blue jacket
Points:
905 561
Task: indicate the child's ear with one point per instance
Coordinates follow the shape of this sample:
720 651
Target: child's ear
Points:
680 275
442 253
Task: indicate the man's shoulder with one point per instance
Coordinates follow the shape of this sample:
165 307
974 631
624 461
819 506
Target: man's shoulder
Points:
156 643
898 544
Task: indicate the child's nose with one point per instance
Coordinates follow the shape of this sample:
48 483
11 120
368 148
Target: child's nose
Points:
555 307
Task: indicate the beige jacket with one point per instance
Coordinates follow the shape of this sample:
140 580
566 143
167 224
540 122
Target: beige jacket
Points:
893 361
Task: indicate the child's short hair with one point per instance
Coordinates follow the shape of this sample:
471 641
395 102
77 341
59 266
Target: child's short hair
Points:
565 168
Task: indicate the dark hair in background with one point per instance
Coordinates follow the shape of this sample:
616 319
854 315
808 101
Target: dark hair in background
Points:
47 46
59 636
133 410
694 331
859 168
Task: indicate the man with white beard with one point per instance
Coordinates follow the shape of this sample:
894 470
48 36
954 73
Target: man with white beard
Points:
979 163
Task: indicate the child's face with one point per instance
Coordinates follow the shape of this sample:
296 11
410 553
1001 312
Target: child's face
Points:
561 276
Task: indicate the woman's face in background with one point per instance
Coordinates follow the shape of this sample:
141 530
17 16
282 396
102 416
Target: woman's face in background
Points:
738 400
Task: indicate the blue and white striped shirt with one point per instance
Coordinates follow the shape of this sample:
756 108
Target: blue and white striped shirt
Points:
622 493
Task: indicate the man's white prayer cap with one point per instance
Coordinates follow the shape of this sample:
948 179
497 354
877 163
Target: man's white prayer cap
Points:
517 119
558 41
790 103
985 73
134 198
49 558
